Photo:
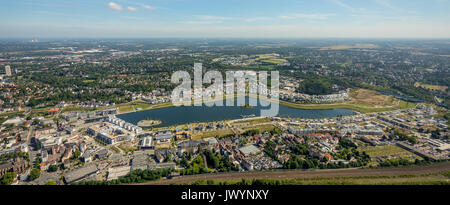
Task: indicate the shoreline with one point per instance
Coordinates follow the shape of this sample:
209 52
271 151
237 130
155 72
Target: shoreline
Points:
355 108
280 102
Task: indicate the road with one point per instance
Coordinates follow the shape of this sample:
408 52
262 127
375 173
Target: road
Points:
293 174
30 134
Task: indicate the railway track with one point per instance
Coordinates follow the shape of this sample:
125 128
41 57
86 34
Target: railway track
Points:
293 174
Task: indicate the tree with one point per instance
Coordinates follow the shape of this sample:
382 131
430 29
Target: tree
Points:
210 182
316 86
8 178
52 168
347 143
276 131
37 146
404 137
435 134
301 149
76 154
34 174
37 163
50 182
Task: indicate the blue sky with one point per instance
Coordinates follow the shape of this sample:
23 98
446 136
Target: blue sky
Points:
225 18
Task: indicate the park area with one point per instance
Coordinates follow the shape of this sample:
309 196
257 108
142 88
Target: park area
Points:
269 59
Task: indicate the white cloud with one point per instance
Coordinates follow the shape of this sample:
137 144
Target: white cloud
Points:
388 5
306 16
115 6
298 30
385 3
382 30
149 7
201 22
133 18
258 19
205 19
343 5
130 8
212 18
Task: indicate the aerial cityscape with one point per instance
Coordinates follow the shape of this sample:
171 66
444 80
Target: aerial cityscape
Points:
87 105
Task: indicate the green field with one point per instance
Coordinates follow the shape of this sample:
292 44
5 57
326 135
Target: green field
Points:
357 107
274 60
73 109
88 81
388 152
139 106
269 59
420 179
260 128
431 87
215 133
251 121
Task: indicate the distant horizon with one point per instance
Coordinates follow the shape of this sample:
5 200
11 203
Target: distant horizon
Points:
225 19
222 38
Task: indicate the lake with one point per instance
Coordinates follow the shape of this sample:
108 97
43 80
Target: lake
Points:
190 114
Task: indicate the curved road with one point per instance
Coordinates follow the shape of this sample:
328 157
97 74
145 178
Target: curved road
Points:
293 174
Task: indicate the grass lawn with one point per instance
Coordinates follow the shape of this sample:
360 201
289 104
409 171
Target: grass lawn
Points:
115 149
73 109
269 59
88 81
356 107
251 121
261 128
431 87
383 150
215 133
379 180
274 60
135 105
40 111
388 152
11 114
259 67
126 147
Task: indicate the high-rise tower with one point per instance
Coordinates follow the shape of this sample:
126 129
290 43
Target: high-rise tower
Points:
8 70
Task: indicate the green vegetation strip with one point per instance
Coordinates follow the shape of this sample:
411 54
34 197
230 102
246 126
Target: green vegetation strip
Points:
420 179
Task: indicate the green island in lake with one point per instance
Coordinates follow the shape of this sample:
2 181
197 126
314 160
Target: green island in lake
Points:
148 122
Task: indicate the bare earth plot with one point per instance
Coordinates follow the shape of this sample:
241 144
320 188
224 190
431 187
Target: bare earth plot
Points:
370 97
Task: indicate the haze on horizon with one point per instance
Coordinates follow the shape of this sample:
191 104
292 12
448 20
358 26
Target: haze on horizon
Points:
225 19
